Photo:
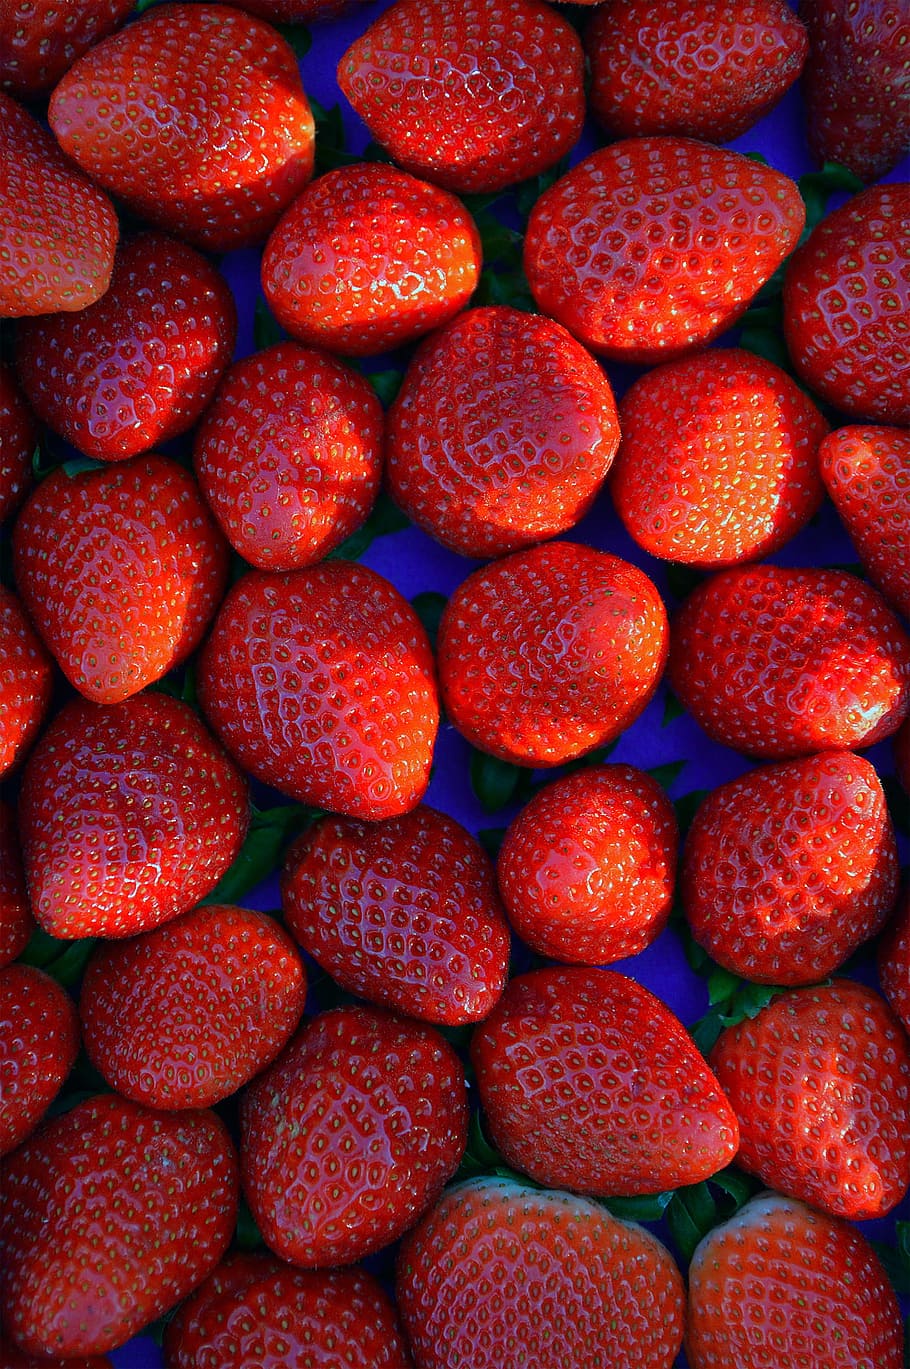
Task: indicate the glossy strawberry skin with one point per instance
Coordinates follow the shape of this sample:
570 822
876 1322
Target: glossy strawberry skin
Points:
559 1062
18 439
16 922
894 961
26 681
502 433
138 367
39 1038
652 247
41 40
779 663
171 114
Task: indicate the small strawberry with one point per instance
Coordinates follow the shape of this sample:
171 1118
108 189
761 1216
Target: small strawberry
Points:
18 439
501 434
16 922
39 1039
41 39
26 681
894 961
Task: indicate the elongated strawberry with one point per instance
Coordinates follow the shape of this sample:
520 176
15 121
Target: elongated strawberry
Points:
26 680
41 39
16 922
894 961
39 1038
18 438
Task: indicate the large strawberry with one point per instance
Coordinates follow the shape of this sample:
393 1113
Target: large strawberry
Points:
41 39
39 1038
894 961
16 922
18 438
26 680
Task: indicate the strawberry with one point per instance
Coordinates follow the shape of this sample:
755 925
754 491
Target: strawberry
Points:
39 1039
587 868
58 231
781 1285
779 663
894 961
196 118
820 1082
698 68
718 461
846 301
289 456
578 649
18 1359
138 367
129 815
502 433
403 912
368 258
18 439
188 1013
26 680
122 568
500 1275
474 95
111 1214
16 922
349 1137
41 39
653 247
321 683
590 1083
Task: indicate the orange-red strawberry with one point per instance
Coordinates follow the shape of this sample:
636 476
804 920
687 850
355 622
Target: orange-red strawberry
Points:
16 922
894 961
39 1038
26 680
18 437
41 39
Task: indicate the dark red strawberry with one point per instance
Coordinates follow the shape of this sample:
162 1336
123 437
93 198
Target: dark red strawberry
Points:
195 116
588 1082
501 434
111 1214
41 39
122 569
368 258
321 683
289 456
16 922
577 651
18 1359
18 438
129 815
782 662
894 961
138 367
350 1136
403 912
820 1083
26 680
39 1039
718 461
653 247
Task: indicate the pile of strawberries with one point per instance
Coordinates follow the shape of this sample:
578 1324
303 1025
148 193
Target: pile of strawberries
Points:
408 1118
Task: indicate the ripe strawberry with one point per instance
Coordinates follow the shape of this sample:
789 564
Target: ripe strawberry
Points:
779 662
349 1137
121 569
780 1284
718 461
590 1083
18 438
321 683
846 302
129 815
500 1275
699 68
403 912
41 39
894 961
16 922
195 116
474 95
368 258
820 1083
58 231
138 367
653 247
39 1039
587 868
26 681
187 1014
289 455
578 649
501 434
18 1359
111 1214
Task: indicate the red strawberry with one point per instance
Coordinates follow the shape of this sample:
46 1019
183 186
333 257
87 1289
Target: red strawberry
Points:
472 94
653 247
41 39
846 302
894 961
111 1214
349 1137
18 1359
289 456
26 680
781 1285
138 367
820 1083
368 258
16 923
718 461
122 568
699 68
18 438
195 116
587 868
39 1039
500 1275
402 912
778 662
129 815
321 683
590 1083
578 649
58 231
187 1014
501 434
